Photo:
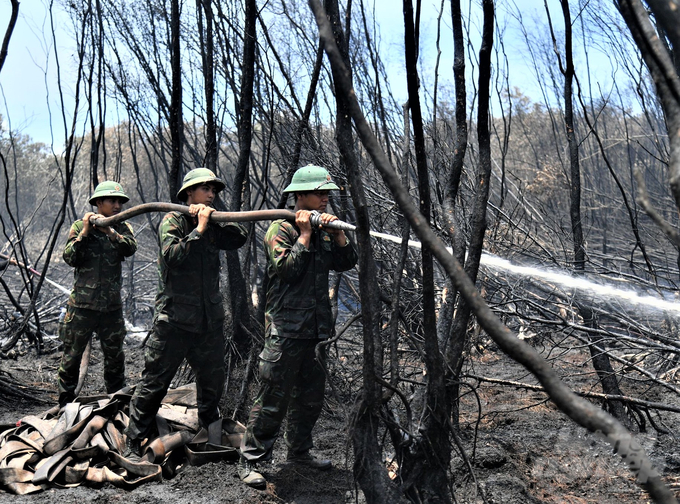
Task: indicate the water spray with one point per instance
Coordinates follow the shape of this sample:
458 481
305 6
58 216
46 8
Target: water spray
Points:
13 261
565 280
580 284
489 260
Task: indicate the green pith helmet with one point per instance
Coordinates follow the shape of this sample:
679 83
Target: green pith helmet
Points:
108 189
310 178
198 176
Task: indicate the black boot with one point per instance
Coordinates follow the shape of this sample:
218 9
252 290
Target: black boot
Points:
65 398
133 449
309 460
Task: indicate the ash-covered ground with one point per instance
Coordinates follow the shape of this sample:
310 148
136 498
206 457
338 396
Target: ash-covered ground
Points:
523 449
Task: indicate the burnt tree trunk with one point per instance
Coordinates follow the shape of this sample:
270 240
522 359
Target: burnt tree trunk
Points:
661 66
600 359
369 469
205 34
176 120
433 451
454 352
97 119
399 269
478 223
239 295
245 104
8 33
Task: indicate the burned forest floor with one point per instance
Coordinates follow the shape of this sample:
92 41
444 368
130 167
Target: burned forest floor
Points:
522 449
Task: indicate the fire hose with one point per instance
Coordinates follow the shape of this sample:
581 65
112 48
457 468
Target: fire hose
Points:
247 216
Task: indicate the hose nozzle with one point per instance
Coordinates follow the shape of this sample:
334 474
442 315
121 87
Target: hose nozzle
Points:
315 220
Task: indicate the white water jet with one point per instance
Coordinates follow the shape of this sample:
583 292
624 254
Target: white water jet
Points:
606 292
397 239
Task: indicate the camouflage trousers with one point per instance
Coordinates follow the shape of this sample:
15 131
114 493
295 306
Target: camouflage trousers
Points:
166 348
75 331
293 382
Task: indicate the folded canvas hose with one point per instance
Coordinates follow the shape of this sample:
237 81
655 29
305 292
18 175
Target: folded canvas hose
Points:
83 443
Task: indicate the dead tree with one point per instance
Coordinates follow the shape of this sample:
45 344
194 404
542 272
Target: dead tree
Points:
207 46
429 466
242 328
176 122
478 220
368 468
601 361
8 33
449 213
581 411
661 67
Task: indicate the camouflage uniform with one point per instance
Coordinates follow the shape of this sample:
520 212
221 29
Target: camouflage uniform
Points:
95 304
297 315
188 319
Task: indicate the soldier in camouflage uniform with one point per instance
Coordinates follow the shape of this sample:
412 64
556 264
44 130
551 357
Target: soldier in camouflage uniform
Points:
189 315
95 305
297 316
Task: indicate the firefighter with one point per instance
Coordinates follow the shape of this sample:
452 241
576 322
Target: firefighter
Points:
297 317
95 304
189 316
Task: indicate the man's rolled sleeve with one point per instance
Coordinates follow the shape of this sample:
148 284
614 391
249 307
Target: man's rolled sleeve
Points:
73 251
289 257
124 240
174 245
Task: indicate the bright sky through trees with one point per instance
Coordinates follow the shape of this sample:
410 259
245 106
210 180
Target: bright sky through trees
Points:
28 81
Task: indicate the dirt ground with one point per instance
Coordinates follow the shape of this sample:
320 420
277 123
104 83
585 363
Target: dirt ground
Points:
523 450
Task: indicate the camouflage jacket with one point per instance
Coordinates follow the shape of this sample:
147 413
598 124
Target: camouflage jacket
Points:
189 271
97 262
298 304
